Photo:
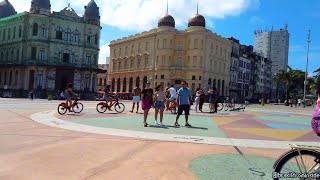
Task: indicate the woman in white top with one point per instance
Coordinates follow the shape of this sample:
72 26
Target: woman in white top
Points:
197 98
159 97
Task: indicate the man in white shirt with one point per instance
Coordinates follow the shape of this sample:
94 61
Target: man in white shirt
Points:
173 93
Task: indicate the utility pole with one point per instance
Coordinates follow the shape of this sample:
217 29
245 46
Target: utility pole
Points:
306 73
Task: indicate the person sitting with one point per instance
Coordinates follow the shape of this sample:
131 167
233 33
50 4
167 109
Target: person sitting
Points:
107 96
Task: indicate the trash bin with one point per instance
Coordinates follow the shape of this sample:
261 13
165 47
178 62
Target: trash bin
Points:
49 97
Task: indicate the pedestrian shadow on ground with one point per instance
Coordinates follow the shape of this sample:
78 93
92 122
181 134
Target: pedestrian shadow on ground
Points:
170 126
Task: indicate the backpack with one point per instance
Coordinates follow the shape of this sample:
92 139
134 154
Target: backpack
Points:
315 123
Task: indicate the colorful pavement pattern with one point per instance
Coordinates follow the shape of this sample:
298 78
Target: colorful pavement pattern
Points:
250 124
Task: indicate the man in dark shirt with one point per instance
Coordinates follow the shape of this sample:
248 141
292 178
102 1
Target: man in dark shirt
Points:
147 102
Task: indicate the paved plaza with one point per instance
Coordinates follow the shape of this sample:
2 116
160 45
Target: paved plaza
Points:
38 143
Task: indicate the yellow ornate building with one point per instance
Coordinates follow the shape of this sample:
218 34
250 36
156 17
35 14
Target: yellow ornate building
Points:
166 55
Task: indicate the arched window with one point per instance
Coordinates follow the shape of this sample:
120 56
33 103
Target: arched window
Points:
59 33
43 30
214 83
96 39
118 85
20 31
67 36
35 29
100 81
14 32
124 85
12 54
138 82
5 78
219 85
76 36
145 79
131 84
4 35
9 33
16 78
113 84
18 55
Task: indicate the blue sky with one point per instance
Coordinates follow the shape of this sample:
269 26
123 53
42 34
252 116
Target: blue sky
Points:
238 18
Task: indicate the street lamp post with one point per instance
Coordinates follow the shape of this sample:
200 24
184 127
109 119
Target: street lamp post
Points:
306 73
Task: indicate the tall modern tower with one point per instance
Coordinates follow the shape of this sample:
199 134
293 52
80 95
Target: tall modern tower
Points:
273 45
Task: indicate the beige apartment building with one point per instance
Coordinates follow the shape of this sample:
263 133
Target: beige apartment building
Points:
165 55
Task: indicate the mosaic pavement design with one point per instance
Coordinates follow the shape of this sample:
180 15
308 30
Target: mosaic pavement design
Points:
255 125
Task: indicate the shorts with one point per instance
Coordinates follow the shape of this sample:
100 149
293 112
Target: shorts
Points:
159 105
136 99
185 108
146 105
105 97
171 99
67 96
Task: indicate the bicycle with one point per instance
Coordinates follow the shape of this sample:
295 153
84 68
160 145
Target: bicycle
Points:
229 105
118 107
299 165
76 107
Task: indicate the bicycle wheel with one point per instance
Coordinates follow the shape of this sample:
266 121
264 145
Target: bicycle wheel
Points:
101 107
61 109
292 162
77 108
119 107
219 106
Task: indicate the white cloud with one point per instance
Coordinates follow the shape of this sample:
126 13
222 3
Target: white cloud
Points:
104 53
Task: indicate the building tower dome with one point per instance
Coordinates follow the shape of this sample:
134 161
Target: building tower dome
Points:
166 20
91 11
6 9
197 19
38 6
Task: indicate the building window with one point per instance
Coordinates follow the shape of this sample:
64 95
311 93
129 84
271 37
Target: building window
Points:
132 49
164 45
59 34
114 66
147 46
5 78
139 63
146 62
12 53
43 31
119 67
95 60
33 52
35 29
158 44
15 78
10 78
139 48
18 55
67 36
193 77
88 59
20 31
179 62
87 82
163 60
7 56
162 76
126 50
200 78
131 64
125 64
4 35
188 60
14 32
120 52
42 55
201 44
100 81
220 51
96 39
194 60
66 58
195 43
179 45
89 39
114 53
170 44
1 57
9 33
76 36
105 81
217 49
39 79
156 77
201 59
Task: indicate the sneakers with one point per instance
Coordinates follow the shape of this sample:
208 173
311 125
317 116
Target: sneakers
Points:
156 123
161 124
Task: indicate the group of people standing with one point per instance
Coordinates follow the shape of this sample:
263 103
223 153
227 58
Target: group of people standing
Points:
160 99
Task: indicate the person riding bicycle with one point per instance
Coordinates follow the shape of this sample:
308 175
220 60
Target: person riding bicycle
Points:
107 96
68 95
